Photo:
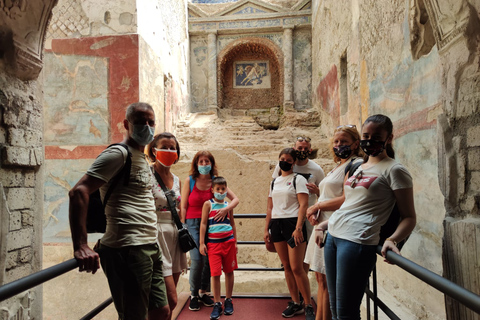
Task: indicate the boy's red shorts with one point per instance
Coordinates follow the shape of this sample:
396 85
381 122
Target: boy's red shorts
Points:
222 254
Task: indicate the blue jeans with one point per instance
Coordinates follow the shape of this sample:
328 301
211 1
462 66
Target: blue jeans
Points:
199 269
348 266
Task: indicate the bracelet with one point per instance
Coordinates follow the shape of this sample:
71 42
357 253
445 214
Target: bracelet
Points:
390 239
319 229
298 229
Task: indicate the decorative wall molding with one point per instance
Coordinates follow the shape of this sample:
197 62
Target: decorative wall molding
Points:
449 20
27 22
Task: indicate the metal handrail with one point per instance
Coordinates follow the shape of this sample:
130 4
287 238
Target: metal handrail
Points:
453 290
464 296
18 286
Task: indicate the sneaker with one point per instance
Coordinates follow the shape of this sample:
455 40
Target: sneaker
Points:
292 310
217 311
309 313
228 307
194 305
206 300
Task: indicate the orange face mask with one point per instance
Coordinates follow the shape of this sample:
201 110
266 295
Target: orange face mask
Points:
166 157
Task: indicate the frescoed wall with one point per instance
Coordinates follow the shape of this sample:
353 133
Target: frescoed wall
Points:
89 82
354 80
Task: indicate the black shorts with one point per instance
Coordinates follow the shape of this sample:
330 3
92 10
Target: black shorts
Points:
282 229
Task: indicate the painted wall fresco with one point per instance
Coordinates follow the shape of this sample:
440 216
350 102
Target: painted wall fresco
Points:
198 73
251 74
302 69
76 100
328 94
88 84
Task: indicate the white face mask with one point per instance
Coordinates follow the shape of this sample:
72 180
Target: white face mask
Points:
142 134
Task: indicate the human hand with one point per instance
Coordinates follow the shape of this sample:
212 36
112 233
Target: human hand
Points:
221 214
298 236
88 260
389 245
319 234
203 249
312 215
313 188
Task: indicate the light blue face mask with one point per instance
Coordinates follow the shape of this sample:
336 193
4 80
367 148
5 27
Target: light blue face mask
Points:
204 169
219 196
142 134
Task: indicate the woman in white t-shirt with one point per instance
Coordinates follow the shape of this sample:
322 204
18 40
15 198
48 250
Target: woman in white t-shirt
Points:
354 229
345 149
285 222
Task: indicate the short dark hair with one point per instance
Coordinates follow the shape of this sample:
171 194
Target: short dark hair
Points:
164 135
220 181
289 151
134 107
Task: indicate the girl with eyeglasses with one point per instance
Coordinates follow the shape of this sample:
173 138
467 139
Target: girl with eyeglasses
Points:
354 229
345 149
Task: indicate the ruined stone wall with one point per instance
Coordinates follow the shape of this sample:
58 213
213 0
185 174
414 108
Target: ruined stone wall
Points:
21 191
363 65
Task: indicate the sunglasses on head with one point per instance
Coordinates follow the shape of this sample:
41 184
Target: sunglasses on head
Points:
347 126
357 178
301 139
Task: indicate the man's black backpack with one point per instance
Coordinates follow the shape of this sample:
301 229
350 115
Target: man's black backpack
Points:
393 220
96 219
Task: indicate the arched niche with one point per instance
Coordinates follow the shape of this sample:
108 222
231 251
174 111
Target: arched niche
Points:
232 94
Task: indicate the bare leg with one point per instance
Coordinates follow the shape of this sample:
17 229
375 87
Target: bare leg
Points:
229 284
216 288
323 303
296 256
283 253
171 293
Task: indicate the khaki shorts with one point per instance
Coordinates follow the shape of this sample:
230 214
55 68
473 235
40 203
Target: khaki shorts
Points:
135 278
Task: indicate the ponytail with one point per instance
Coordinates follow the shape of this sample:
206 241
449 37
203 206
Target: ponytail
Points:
390 151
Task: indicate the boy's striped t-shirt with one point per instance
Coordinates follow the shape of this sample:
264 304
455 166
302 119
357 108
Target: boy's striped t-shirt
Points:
218 231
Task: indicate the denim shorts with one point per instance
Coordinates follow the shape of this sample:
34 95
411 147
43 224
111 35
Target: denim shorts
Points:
135 278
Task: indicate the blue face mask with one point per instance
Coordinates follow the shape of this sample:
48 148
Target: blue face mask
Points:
142 134
204 169
219 196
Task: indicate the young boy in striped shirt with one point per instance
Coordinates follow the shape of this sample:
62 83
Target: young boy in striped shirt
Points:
221 246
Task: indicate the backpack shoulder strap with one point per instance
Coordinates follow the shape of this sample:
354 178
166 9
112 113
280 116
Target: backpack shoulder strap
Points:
192 183
295 181
273 182
124 172
352 167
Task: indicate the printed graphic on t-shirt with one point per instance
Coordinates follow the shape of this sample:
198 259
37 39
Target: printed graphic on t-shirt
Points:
364 181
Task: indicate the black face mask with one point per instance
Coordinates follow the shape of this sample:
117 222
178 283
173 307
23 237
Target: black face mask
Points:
343 152
372 147
302 155
285 166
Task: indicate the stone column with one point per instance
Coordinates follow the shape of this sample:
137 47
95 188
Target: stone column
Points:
288 68
212 71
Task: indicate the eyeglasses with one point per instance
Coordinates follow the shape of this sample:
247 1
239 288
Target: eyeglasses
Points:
348 126
357 178
301 139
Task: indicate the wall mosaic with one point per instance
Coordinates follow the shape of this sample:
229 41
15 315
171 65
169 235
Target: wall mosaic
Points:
251 74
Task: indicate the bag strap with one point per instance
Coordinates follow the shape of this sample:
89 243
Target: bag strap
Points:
192 183
125 172
171 203
352 167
